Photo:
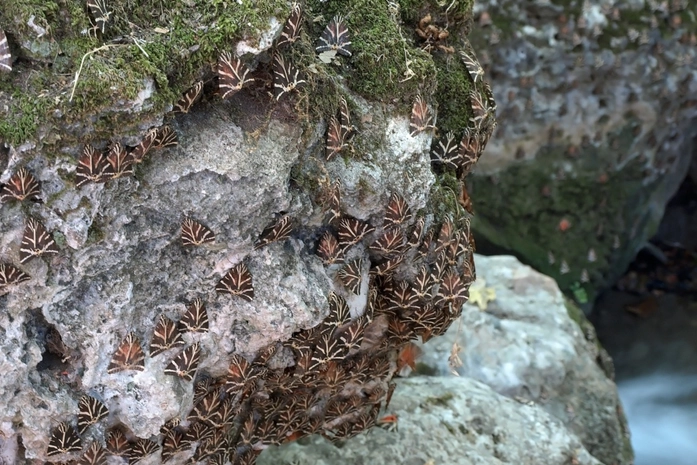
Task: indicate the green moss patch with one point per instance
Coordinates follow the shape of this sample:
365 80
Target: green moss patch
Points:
521 210
176 44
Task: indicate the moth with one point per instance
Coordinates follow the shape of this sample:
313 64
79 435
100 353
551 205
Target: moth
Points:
100 12
90 411
564 268
291 28
64 439
469 152
421 117
452 290
196 318
5 56
165 336
286 77
128 356
184 365
474 69
22 185
232 75
141 449
401 298
138 153
277 231
165 137
482 107
397 211
399 331
171 444
335 141
119 162
237 281
390 243
194 233
90 167
340 131
189 97
446 153
339 311
352 230
328 349
388 267
335 37
36 241
116 442
240 374
334 202
352 336
351 276
10 275
416 233
94 455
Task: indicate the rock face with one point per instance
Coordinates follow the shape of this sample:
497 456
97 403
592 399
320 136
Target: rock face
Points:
597 120
80 321
529 374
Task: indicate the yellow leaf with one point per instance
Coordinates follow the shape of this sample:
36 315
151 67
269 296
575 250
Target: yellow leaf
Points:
480 295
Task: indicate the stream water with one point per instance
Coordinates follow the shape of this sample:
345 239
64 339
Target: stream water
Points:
661 409
656 363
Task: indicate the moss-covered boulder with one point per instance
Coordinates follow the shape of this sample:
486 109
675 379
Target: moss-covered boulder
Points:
596 113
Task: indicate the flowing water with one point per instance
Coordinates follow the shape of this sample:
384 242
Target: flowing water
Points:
656 363
661 409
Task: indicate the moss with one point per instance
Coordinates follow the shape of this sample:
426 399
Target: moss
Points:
522 211
383 57
443 199
457 10
198 30
454 86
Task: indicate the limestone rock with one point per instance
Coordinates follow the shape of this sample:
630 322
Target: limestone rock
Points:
449 420
526 345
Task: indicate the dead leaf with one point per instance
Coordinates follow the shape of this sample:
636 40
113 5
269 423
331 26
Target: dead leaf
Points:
480 295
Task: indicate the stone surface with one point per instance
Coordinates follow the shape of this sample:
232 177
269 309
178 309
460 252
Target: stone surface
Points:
449 420
529 375
526 345
597 118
